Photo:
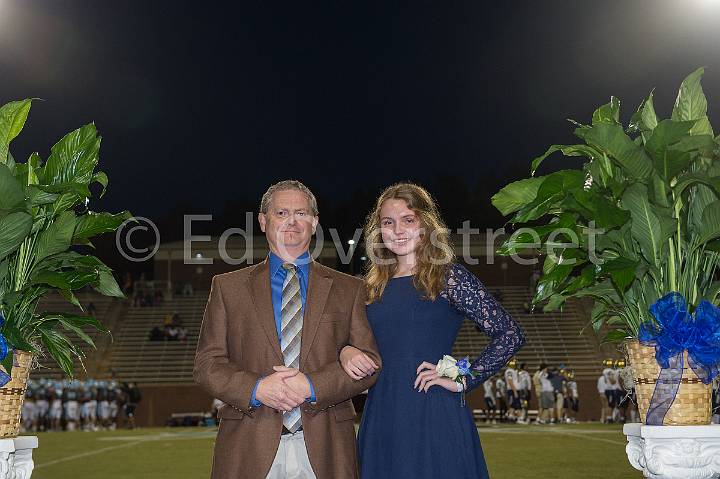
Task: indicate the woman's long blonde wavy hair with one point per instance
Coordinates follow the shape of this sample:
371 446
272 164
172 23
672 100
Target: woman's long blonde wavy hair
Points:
434 253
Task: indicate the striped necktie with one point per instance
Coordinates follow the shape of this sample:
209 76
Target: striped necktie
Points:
291 332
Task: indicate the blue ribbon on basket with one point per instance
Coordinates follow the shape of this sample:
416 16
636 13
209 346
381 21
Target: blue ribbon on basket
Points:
674 332
4 351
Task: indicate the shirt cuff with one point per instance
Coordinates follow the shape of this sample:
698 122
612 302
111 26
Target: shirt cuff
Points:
312 397
253 400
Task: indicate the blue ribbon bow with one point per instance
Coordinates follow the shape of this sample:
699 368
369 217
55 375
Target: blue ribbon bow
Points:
675 331
4 350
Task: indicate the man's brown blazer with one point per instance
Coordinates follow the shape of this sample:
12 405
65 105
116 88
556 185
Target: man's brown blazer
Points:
239 344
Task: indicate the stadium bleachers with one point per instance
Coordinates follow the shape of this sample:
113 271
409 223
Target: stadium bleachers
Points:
133 357
553 338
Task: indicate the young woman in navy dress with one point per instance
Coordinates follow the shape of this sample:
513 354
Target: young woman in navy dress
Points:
415 424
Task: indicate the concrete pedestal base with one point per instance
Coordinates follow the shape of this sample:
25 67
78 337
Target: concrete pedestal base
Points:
16 457
674 452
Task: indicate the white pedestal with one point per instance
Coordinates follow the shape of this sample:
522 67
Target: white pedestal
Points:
674 452
16 457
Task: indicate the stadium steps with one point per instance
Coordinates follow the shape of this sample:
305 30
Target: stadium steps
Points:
133 357
553 338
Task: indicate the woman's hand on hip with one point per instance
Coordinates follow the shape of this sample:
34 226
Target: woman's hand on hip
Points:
427 377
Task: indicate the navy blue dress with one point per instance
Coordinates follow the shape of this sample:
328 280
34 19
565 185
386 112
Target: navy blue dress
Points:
407 434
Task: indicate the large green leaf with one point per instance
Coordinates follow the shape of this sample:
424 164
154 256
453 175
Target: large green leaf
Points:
621 270
604 291
691 179
551 283
64 202
108 286
68 280
567 150
57 237
74 157
615 336
702 127
709 227
611 139
73 259
713 292
516 195
60 348
14 228
644 119
39 197
561 255
101 178
690 103
92 223
583 280
11 191
668 162
16 338
80 189
651 225
702 196
597 208
552 190
532 237
608 113
12 120
3 270
75 323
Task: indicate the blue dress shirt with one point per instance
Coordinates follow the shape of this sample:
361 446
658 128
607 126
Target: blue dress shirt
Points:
277 278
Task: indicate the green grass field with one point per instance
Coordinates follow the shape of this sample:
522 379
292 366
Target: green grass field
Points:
513 452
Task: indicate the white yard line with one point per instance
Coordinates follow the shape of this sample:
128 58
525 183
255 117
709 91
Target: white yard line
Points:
90 453
550 429
585 436
154 437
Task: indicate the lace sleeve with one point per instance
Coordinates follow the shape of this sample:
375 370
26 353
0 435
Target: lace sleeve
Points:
470 297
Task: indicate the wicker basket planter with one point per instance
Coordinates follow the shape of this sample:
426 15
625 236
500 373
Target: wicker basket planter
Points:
692 404
12 395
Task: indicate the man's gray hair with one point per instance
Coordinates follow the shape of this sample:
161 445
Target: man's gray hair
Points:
284 186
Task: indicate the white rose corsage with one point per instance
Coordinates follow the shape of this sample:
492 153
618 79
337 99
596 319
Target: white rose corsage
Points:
458 371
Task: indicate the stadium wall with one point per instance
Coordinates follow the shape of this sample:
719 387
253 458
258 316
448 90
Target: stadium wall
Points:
160 402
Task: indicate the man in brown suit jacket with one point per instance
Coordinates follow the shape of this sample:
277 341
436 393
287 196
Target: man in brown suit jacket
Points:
288 412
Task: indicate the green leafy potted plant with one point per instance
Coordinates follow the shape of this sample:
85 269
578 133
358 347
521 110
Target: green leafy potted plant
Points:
44 222
639 220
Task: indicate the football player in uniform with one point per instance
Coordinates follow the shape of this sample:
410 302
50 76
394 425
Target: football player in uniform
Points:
512 383
572 398
525 392
500 394
72 408
611 385
28 413
489 401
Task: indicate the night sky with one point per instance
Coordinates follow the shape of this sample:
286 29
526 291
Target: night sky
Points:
203 105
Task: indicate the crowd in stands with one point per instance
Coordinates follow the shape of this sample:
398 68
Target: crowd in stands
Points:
148 293
172 329
508 395
69 405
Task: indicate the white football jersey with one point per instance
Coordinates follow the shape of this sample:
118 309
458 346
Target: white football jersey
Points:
500 389
488 387
525 380
511 377
572 388
612 380
601 384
